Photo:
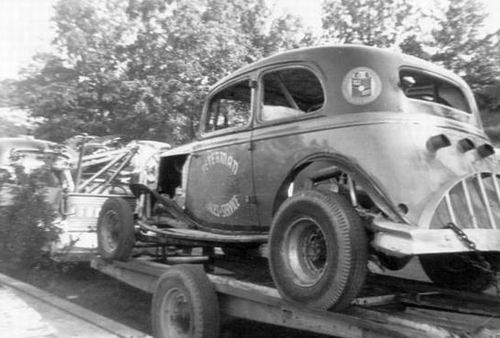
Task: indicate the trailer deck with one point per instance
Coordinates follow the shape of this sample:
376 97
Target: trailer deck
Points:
387 307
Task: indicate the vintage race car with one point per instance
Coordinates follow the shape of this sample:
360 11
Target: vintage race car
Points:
333 154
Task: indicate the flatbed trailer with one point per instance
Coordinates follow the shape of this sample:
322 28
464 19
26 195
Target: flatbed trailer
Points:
388 306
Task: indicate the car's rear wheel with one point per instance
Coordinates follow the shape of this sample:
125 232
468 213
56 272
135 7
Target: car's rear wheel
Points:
115 230
457 271
318 250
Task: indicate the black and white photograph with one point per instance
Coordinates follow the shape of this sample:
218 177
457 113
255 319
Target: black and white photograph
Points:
249 168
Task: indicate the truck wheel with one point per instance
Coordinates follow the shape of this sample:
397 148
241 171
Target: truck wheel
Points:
185 304
115 230
318 250
455 271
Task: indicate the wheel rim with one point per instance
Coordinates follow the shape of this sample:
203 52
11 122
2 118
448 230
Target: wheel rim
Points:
176 314
305 251
110 231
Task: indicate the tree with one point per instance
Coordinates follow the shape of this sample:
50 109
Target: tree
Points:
181 52
369 22
449 34
142 67
27 219
459 46
457 43
7 89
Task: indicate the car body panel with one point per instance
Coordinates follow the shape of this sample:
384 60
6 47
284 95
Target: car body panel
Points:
382 137
384 145
221 182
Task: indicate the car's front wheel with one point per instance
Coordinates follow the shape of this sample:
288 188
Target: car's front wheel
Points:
318 250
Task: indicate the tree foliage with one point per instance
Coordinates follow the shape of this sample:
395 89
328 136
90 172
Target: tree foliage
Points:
142 68
369 22
7 90
457 43
450 33
26 221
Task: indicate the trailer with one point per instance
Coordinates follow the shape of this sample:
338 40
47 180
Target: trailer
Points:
242 288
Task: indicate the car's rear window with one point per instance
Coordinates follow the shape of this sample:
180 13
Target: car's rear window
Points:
424 87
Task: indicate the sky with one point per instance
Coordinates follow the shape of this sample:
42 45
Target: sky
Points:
25 26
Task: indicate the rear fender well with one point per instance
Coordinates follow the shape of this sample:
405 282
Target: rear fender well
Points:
312 165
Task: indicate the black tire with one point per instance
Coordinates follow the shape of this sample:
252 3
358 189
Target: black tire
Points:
185 304
115 230
456 272
327 226
393 263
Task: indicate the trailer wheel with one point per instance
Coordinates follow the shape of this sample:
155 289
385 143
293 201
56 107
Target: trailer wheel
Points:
115 230
185 304
318 250
457 272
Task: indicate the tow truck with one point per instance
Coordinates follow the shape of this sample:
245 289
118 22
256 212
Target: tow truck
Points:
102 169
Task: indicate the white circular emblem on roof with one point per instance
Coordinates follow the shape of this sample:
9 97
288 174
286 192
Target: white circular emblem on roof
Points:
361 85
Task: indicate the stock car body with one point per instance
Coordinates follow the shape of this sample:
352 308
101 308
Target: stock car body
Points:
340 153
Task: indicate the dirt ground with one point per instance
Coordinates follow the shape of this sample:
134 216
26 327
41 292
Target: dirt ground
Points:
92 290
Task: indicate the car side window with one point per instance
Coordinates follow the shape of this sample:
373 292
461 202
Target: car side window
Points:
229 108
290 92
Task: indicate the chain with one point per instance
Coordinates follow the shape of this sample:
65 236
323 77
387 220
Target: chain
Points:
481 262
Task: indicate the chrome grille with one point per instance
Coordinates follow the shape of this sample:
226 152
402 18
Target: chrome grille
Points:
474 202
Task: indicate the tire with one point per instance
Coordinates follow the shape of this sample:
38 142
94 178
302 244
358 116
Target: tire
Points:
115 230
393 263
185 304
456 272
328 227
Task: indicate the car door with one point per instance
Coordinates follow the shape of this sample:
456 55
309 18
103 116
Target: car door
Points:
289 101
220 184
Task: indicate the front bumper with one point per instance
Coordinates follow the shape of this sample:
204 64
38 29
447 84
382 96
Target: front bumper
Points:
399 240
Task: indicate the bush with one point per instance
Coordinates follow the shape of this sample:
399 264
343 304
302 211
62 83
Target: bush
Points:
26 223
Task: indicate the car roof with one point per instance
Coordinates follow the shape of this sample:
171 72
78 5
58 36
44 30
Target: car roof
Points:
320 55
